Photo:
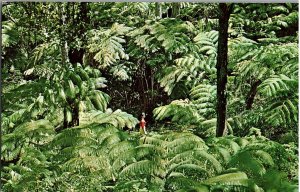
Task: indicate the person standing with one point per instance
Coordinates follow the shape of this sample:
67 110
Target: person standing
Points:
143 125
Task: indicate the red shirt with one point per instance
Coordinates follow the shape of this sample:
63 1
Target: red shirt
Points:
142 123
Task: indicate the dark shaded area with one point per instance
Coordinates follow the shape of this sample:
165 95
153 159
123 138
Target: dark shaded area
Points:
76 56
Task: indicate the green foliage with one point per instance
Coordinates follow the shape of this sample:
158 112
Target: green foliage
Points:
23 135
273 67
195 67
107 44
117 118
196 166
256 20
73 73
172 35
9 34
197 114
180 111
32 164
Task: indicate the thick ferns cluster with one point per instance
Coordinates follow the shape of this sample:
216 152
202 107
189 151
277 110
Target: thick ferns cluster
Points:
184 161
113 160
197 113
66 88
198 65
271 70
170 35
255 21
9 35
107 47
31 120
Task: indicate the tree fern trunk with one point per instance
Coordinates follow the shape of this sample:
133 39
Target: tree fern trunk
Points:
75 115
64 53
65 118
222 68
175 9
158 12
64 43
251 94
83 22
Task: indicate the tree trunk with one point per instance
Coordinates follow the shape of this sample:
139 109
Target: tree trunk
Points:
82 22
158 12
251 94
222 68
64 52
175 9
75 115
63 42
65 118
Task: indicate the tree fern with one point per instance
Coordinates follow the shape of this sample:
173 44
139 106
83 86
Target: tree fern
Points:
31 133
264 57
179 110
169 32
199 112
285 112
107 44
207 42
238 178
264 70
9 34
117 118
198 65
32 164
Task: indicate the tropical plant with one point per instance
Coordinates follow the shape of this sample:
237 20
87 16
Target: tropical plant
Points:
75 77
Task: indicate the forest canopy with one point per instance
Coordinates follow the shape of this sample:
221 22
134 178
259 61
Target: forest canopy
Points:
215 84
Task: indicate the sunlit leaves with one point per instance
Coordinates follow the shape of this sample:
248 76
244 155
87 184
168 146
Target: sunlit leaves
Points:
107 44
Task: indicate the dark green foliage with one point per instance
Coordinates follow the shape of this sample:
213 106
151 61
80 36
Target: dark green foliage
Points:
77 76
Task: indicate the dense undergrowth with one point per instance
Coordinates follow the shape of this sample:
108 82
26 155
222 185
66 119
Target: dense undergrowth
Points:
103 158
76 77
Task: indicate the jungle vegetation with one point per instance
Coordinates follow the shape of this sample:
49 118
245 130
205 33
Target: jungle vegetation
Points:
218 84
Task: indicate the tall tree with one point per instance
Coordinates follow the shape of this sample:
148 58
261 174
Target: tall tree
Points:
222 67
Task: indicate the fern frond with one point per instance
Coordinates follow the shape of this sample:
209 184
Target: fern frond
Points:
264 157
203 96
117 118
193 170
200 155
74 136
9 34
282 112
120 148
108 45
277 83
238 178
220 153
180 111
91 163
245 162
146 167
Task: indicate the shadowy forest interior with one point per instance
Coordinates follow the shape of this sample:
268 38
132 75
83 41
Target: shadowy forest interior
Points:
217 84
